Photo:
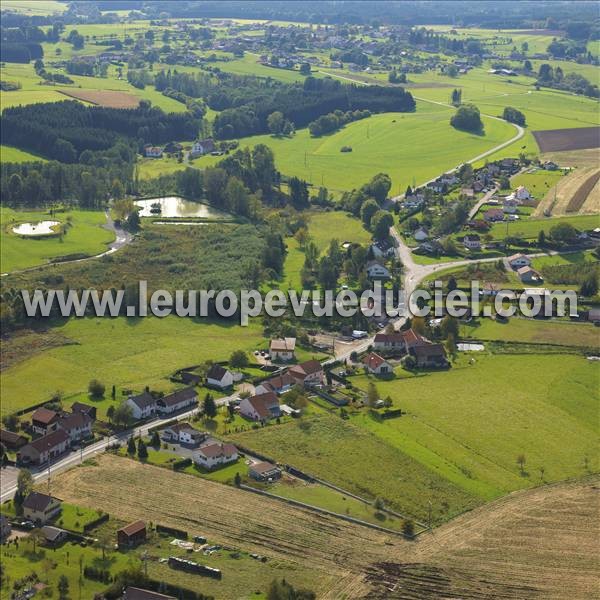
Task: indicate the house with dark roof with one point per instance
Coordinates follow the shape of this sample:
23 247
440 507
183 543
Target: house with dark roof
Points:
278 384
264 471
179 400
307 373
183 433
41 508
377 365
398 342
44 420
142 406
84 408
77 425
54 536
12 440
131 535
219 377
472 242
260 408
215 454
45 448
430 356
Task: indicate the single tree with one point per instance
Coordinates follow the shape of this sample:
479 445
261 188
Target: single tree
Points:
237 480
521 460
110 413
96 389
63 587
131 446
238 359
142 451
408 529
155 440
209 407
372 394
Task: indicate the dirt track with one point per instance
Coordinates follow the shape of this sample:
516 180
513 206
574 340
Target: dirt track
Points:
541 543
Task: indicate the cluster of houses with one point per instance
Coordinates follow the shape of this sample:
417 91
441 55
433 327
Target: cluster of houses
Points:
521 264
510 206
146 405
57 431
402 343
199 148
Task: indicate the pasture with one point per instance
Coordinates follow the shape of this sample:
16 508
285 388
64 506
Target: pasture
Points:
530 228
10 154
468 425
85 235
410 147
127 353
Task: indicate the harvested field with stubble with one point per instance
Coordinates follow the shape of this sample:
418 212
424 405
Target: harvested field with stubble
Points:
108 98
541 543
559 140
577 193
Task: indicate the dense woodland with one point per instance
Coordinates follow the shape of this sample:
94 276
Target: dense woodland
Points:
246 102
65 130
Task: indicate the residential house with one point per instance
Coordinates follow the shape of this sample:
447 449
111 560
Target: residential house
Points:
478 225
522 193
177 401
202 147
54 536
421 234
260 408
376 270
12 440
183 433
430 355
307 373
278 384
282 349
215 454
472 242
510 206
134 593
399 341
44 421
77 425
131 535
5 527
41 508
264 471
84 408
494 214
219 377
529 275
550 166
383 249
142 406
377 365
516 261
45 448
153 151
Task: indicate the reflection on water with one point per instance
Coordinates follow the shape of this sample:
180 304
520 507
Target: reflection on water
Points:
41 228
174 206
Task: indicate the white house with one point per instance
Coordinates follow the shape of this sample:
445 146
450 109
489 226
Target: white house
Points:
376 270
377 364
383 249
307 373
219 377
183 433
77 425
202 147
516 261
260 408
153 151
522 193
142 406
421 234
179 400
41 508
215 454
282 349
472 242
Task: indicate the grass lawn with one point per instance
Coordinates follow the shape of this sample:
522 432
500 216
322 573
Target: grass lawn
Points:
408 146
534 331
469 424
537 181
10 154
74 517
349 456
563 259
530 228
86 236
129 353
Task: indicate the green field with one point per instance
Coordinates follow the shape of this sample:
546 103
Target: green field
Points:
408 146
129 353
86 236
537 181
533 331
11 154
529 228
37 8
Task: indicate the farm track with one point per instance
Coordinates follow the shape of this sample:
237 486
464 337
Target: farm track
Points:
539 543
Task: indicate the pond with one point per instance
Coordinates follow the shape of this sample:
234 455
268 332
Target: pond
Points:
41 228
174 206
